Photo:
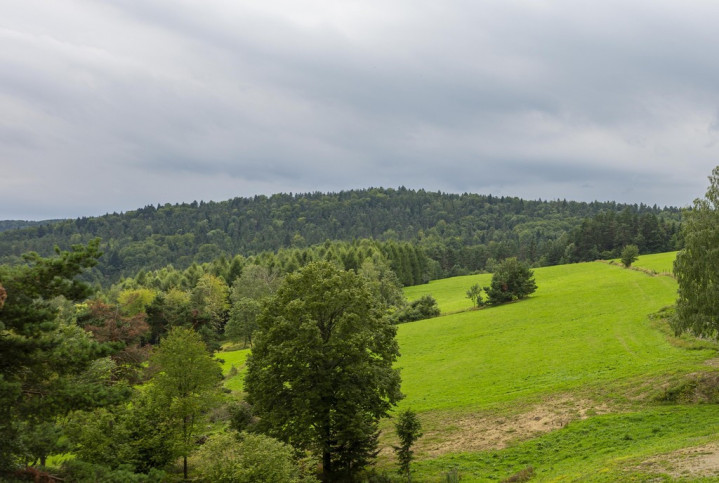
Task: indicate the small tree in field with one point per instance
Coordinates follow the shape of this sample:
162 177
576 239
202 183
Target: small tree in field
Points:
512 280
409 430
630 253
475 294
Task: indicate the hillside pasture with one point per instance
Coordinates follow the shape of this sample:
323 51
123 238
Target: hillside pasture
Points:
587 324
567 381
564 381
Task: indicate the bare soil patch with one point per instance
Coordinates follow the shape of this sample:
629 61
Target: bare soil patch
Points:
479 431
698 462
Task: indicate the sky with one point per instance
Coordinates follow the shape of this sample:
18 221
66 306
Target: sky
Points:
108 106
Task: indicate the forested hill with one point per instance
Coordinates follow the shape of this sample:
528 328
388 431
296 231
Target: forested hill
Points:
16 224
460 232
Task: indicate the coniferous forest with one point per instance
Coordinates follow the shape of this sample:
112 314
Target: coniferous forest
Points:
449 234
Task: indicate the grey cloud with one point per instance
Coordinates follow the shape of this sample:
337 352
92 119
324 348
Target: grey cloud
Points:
560 99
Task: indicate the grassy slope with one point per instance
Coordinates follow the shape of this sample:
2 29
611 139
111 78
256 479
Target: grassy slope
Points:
237 360
660 263
586 324
450 293
586 333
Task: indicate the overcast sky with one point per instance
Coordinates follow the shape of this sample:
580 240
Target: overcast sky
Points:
112 105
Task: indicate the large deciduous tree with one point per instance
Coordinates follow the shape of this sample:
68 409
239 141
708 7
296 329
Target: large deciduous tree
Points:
697 266
210 304
320 375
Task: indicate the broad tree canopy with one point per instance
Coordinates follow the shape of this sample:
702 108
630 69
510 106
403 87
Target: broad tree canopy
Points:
320 375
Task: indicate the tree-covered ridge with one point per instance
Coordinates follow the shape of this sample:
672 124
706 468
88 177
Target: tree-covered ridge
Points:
462 233
6 225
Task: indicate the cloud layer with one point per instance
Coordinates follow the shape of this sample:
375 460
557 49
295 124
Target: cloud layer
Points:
109 106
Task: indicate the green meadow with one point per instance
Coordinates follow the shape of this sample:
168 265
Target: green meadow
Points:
662 263
586 324
450 293
568 382
233 365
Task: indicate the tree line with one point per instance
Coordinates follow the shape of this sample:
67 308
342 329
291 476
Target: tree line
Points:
459 234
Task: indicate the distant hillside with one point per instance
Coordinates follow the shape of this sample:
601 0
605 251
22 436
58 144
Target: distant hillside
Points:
463 233
17 224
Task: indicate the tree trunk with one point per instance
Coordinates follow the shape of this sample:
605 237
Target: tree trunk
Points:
184 440
327 450
326 466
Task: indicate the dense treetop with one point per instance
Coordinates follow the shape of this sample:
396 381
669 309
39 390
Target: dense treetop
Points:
460 232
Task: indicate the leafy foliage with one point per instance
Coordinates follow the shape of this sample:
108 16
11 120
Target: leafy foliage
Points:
185 385
697 266
422 308
254 285
320 374
46 360
136 436
630 254
81 471
108 325
248 458
475 294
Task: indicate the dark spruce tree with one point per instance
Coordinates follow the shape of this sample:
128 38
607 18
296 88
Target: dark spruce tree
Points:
320 375
512 280
45 360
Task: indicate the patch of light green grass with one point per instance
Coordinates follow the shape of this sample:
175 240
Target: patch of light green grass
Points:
237 360
587 324
659 262
450 293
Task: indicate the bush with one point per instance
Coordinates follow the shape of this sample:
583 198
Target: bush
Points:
241 417
251 458
424 307
80 471
630 253
512 280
